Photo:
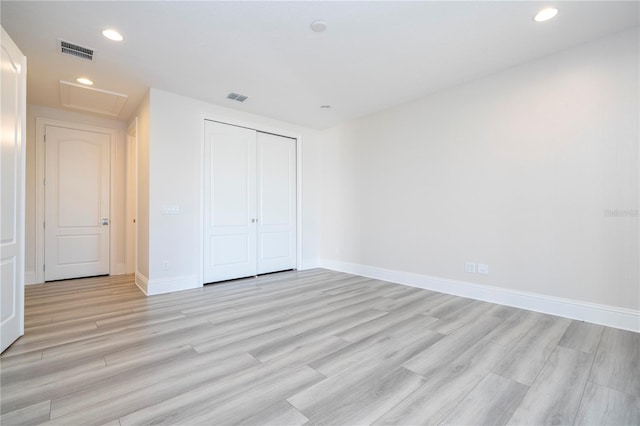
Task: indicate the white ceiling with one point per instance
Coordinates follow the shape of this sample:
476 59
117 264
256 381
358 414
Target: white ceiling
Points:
372 56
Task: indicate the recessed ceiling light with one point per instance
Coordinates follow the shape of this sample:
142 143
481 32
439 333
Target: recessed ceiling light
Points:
318 26
325 106
545 14
86 81
112 34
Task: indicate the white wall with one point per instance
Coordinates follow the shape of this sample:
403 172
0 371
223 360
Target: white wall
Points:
36 111
517 170
175 166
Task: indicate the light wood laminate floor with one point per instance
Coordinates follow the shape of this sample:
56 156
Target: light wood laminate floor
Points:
312 347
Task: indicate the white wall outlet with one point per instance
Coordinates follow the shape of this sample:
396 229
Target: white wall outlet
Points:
171 209
165 264
470 267
483 268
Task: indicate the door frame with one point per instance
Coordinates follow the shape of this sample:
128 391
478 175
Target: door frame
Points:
223 119
41 123
132 137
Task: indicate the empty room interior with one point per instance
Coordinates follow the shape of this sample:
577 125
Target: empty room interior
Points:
320 213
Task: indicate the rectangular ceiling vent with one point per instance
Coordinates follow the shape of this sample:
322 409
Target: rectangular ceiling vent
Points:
237 97
75 50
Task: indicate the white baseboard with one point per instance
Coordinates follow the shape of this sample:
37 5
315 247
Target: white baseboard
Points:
152 287
142 282
30 278
611 316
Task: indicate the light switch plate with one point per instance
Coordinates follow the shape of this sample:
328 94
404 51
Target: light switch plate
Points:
470 267
483 268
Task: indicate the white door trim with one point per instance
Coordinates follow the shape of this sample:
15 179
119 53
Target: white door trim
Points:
260 128
132 132
41 123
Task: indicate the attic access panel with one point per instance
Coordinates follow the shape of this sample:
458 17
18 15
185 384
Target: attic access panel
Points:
91 99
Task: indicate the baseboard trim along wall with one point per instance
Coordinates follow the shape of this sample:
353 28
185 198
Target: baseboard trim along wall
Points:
142 282
625 319
152 287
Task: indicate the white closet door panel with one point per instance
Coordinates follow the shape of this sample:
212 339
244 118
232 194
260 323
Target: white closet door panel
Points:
230 202
77 203
276 165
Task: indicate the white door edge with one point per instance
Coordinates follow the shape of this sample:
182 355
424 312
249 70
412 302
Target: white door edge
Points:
12 327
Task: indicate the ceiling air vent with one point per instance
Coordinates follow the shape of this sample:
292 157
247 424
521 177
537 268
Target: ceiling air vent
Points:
75 50
237 97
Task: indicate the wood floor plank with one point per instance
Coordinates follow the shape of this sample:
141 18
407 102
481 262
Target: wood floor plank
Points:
260 396
279 414
32 389
442 353
453 304
378 345
617 363
121 395
514 327
447 387
455 319
427 299
555 395
9 362
530 354
582 336
355 398
384 322
30 415
263 386
604 406
492 402
315 331
503 312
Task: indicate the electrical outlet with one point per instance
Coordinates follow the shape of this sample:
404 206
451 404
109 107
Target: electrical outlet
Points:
470 267
165 264
171 209
483 268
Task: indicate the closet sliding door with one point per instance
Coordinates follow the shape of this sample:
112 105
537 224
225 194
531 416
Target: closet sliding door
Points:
250 202
276 203
230 202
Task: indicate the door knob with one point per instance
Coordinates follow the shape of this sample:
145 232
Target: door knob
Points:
105 221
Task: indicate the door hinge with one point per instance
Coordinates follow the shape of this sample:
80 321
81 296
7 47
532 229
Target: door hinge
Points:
44 225
42 268
44 182
45 137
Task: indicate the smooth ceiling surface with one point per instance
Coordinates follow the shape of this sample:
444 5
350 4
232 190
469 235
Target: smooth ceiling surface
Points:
373 55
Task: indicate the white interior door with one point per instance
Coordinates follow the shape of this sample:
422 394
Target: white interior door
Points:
230 202
12 163
77 168
276 158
